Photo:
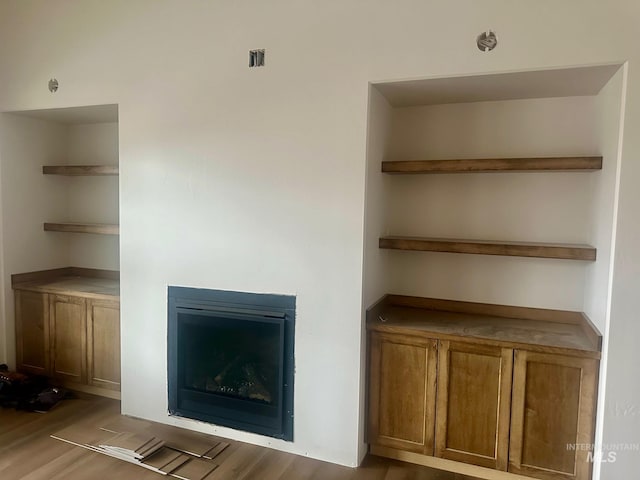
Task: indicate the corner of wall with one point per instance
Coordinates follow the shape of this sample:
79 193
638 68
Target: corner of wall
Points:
3 317
613 110
375 268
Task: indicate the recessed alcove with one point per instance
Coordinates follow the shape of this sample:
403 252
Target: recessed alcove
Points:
60 222
567 114
489 193
62 170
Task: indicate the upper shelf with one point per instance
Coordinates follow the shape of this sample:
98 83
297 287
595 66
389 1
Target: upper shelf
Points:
99 228
78 170
486 165
482 247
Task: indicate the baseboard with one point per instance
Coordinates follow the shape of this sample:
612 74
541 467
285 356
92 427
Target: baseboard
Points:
101 392
442 464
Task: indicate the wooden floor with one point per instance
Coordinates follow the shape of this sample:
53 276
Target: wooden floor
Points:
27 452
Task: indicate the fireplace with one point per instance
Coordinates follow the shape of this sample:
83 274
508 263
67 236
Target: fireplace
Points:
230 359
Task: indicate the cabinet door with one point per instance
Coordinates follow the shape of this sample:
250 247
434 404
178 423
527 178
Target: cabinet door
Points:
474 396
68 338
553 412
32 332
103 344
402 392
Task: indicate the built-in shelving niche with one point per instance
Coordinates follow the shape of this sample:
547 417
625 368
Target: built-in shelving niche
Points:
492 247
494 189
82 171
66 161
538 152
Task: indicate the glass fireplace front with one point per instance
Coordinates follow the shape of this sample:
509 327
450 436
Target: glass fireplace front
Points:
231 359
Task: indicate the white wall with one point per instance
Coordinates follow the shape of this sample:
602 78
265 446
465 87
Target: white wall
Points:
376 261
536 207
93 199
603 199
234 154
621 415
375 273
28 199
598 281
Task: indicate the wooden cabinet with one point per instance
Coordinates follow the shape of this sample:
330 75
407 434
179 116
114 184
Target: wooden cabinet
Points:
32 332
103 344
402 386
459 391
474 397
553 411
68 338
69 330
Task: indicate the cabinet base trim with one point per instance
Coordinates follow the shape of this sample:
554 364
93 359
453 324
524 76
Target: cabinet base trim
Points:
102 392
442 464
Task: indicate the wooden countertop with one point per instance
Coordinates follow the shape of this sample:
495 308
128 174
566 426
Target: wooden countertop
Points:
87 283
553 331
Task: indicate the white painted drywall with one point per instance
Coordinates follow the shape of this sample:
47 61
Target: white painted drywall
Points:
254 179
93 199
376 269
375 273
603 199
620 419
598 281
28 199
535 207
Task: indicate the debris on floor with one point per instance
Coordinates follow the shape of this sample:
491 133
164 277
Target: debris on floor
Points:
178 457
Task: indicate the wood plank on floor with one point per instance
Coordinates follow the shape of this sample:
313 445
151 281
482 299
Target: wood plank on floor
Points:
239 463
193 443
271 466
28 453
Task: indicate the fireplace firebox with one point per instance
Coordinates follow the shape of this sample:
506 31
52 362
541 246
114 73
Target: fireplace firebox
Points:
231 359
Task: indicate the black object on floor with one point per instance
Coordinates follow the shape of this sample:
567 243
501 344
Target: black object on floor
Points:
45 400
28 392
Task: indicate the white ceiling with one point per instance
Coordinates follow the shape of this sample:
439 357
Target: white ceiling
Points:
565 82
75 115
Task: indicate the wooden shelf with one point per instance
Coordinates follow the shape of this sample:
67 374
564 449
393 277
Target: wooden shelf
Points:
482 247
81 170
486 165
99 228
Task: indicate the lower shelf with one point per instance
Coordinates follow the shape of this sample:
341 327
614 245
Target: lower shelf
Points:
482 247
98 228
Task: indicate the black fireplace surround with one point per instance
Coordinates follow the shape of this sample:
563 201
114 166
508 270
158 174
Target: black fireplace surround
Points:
231 359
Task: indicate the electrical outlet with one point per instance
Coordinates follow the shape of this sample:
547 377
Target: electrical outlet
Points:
256 58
